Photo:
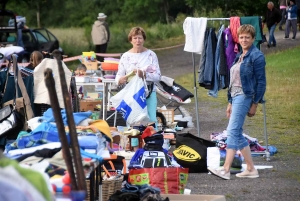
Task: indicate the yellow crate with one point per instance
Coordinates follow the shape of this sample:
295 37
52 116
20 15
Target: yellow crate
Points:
169 115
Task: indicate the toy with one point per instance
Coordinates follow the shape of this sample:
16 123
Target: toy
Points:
61 183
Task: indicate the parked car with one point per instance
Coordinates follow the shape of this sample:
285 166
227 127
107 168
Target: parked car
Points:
39 39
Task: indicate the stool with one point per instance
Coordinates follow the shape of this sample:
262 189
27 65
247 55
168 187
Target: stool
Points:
139 137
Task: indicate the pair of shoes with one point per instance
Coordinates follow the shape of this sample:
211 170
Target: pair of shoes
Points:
286 38
219 172
248 174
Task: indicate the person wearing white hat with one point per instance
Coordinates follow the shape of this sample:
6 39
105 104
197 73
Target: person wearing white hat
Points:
100 35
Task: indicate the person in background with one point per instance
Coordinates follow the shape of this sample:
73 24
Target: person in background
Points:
298 12
100 35
141 61
80 71
56 54
291 20
283 4
35 59
272 18
246 89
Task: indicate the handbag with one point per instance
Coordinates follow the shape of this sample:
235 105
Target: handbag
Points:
19 109
131 102
191 152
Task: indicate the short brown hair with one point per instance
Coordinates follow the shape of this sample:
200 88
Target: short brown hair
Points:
136 31
246 28
35 58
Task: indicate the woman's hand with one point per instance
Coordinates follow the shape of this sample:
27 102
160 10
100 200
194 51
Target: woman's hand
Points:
140 73
252 110
228 110
123 80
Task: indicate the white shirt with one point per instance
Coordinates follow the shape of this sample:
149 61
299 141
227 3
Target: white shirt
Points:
8 51
146 61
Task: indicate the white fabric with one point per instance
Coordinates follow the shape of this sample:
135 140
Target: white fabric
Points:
194 30
8 51
51 145
167 80
10 175
213 157
34 122
146 61
7 124
41 94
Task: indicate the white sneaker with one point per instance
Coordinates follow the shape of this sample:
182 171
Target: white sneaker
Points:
248 174
219 172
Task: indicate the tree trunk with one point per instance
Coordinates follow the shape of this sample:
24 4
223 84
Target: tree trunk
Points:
38 15
166 8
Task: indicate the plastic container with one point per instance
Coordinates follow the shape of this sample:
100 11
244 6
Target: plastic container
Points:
183 124
82 79
106 66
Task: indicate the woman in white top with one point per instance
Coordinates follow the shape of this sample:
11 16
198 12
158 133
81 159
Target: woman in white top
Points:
143 62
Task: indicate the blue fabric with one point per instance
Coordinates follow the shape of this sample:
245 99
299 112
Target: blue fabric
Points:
90 155
210 60
214 91
88 142
240 107
271 35
253 75
293 11
78 117
44 133
138 154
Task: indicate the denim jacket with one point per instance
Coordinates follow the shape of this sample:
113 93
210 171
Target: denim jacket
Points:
253 75
293 11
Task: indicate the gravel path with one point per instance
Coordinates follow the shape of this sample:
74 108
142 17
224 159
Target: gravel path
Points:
274 184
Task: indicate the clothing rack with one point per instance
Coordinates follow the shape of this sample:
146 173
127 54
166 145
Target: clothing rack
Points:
265 153
195 84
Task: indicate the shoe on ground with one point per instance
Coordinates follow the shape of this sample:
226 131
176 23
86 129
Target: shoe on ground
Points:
293 38
219 172
280 28
269 45
273 45
248 174
286 38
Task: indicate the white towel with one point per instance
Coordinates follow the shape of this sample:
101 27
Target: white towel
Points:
194 30
41 94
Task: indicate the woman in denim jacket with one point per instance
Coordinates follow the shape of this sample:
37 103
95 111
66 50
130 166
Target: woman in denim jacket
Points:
246 90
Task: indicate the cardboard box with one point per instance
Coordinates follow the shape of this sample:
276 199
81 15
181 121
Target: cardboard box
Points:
91 65
181 197
86 105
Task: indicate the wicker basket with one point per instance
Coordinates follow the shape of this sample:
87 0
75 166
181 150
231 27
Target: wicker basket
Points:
109 187
88 196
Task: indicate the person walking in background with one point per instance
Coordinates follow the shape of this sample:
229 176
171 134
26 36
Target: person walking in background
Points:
283 4
100 35
246 89
36 58
298 12
272 18
291 20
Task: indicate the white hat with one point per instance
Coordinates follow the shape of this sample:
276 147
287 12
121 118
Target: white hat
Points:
101 16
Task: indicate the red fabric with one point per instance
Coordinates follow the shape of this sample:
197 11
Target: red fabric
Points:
235 23
149 131
170 180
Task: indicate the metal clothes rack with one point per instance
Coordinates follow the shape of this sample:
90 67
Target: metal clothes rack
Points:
265 153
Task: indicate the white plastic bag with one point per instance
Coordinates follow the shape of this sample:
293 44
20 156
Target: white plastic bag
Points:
131 102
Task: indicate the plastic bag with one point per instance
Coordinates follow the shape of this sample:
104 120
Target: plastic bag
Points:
131 102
